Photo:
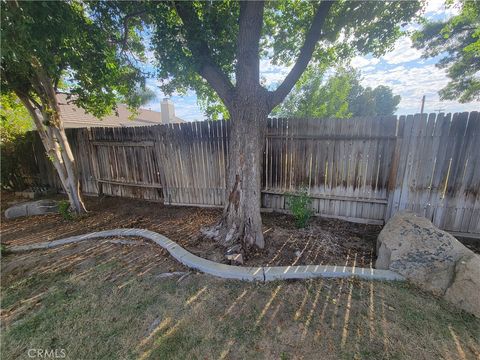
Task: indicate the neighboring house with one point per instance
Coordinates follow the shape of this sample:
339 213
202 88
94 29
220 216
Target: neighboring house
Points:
75 117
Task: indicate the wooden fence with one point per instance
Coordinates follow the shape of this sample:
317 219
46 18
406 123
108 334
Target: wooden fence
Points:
360 169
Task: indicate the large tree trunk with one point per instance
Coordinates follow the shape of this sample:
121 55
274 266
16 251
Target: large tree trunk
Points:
241 221
59 152
249 104
71 183
55 142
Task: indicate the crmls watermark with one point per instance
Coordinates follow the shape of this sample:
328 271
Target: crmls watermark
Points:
46 353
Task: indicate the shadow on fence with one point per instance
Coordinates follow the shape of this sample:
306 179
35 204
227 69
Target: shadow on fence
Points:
360 169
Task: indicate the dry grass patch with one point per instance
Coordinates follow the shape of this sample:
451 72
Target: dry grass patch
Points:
107 301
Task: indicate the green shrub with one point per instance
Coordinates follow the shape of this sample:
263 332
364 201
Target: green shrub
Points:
300 204
16 155
64 210
3 249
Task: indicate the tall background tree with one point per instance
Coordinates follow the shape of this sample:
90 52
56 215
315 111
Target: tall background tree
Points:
47 44
457 40
217 46
339 96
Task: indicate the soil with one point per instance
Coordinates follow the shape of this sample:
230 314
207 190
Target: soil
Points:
323 241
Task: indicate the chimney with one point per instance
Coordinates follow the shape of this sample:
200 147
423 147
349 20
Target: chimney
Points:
168 111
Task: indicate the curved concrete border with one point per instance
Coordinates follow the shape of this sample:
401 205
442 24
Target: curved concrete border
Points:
262 273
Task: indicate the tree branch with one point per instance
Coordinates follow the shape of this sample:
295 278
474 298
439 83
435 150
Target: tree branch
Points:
51 146
27 102
250 30
306 52
124 40
46 89
207 68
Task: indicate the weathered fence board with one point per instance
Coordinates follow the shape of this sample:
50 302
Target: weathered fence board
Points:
440 165
361 169
344 165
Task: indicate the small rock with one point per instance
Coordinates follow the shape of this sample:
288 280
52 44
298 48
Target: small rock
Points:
391 308
235 258
39 207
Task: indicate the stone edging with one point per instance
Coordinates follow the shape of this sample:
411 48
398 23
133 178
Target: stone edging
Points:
263 273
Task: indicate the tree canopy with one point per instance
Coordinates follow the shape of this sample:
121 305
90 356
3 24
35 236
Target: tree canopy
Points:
340 96
51 45
195 43
215 48
458 41
211 47
71 48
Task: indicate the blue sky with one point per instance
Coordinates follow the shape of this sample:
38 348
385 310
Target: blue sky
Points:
402 69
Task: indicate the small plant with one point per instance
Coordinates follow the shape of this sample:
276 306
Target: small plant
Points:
300 205
3 249
64 210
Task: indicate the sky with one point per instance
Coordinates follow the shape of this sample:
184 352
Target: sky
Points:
402 69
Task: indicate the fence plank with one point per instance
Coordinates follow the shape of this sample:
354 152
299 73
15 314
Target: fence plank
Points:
364 169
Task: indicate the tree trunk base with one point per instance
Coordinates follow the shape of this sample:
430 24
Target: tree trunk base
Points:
231 233
241 222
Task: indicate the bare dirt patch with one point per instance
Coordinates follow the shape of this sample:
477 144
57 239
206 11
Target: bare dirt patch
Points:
323 241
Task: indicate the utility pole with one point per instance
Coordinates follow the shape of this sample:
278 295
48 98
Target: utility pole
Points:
423 105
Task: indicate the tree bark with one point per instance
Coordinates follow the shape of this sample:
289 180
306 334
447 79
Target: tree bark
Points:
72 183
249 105
53 136
241 221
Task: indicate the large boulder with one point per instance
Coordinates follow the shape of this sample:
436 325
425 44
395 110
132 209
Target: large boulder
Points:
465 288
430 258
39 207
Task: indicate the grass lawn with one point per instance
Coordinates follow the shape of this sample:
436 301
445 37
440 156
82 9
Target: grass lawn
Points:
100 300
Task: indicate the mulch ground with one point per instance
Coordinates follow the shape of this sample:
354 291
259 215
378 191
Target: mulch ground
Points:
323 241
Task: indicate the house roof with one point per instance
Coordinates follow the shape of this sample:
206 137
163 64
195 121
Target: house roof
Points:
75 117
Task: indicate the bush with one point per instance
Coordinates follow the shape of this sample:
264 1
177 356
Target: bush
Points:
14 163
3 249
300 204
64 210
16 153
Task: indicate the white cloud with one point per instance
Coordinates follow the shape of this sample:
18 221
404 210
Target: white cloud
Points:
363 61
435 7
438 7
150 56
412 83
368 69
402 52
272 74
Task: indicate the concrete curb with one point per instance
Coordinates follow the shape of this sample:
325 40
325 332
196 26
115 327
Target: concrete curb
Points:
261 273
